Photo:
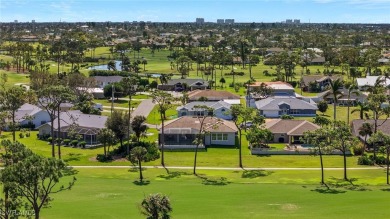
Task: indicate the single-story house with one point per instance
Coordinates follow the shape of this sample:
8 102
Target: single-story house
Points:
102 81
31 115
289 131
343 99
184 84
220 108
181 132
85 125
383 126
213 95
97 93
278 88
315 83
370 81
317 61
273 107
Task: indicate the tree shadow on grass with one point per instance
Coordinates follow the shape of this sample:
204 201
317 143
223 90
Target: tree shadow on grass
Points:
386 190
325 189
347 184
135 169
172 175
251 174
73 157
141 183
222 181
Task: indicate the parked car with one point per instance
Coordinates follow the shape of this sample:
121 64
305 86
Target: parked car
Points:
98 106
246 124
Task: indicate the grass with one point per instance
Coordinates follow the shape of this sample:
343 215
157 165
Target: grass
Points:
154 116
115 193
213 157
14 78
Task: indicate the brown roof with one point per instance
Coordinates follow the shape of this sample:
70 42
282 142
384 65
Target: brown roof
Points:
383 125
290 127
192 124
211 95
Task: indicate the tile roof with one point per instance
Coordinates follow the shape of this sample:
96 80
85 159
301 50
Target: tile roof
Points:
290 127
383 125
213 104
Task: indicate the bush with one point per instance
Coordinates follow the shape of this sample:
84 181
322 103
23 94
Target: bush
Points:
49 139
358 149
285 116
364 160
82 144
102 158
21 135
293 83
153 84
74 143
28 134
66 141
380 160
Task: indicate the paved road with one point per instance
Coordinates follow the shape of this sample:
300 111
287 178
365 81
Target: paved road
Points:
144 108
230 168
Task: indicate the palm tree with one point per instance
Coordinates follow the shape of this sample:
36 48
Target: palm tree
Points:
139 127
107 138
362 107
136 156
335 86
144 62
365 130
156 206
352 89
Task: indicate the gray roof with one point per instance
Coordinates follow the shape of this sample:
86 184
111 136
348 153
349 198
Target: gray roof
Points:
108 79
215 105
383 126
26 110
82 120
189 82
272 103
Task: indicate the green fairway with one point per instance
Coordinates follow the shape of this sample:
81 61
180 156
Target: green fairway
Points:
112 193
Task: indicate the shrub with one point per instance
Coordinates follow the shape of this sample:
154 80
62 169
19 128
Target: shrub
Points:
358 149
102 158
82 144
153 84
66 141
380 160
49 139
364 160
21 135
285 116
28 134
74 143
293 83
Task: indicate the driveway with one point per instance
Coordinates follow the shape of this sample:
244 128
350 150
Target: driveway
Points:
144 108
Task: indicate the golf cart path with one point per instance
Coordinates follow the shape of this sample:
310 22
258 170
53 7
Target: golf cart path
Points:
230 168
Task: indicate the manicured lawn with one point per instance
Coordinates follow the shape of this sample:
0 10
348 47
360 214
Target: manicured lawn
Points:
111 193
14 78
213 157
154 115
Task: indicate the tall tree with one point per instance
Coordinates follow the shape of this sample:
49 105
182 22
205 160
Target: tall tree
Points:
243 115
137 155
320 139
156 206
365 130
107 138
352 89
130 87
362 107
35 178
164 101
335 86
139 127
383 139
11 100
205 112
117 122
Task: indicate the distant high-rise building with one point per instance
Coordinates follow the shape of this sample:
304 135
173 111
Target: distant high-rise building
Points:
15 21
200 20
229 21
220 21
297 21
33 21
289 21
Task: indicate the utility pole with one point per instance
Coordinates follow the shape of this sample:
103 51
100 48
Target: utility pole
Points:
112 98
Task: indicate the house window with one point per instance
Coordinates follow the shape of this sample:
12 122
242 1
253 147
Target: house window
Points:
219 137
294 111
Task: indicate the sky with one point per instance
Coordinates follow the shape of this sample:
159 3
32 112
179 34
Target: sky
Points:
313 11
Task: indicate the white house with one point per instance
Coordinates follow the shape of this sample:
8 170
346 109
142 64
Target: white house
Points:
29 113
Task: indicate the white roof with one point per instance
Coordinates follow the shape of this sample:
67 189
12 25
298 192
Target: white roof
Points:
280 86
233 101
369 81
